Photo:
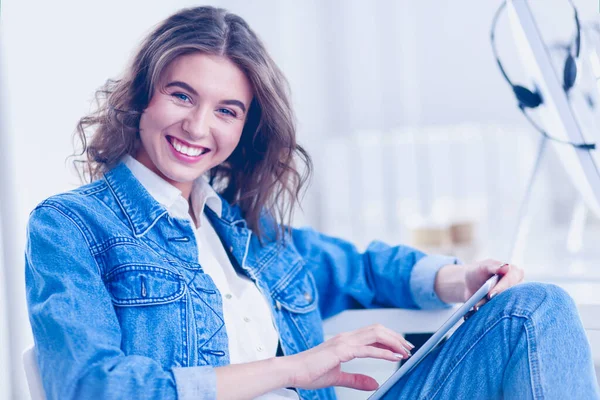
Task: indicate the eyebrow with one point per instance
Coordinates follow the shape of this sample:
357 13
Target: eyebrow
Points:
190 89
235 103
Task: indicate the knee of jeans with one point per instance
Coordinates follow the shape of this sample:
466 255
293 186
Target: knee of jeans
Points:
530 296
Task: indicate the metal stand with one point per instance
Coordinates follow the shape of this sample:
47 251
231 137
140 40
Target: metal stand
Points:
522 225
578 217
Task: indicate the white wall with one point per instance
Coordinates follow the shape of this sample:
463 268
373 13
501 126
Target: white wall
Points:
352 65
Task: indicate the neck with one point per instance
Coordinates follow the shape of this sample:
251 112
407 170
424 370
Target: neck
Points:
185 187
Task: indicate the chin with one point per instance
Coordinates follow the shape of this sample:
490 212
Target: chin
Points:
183 177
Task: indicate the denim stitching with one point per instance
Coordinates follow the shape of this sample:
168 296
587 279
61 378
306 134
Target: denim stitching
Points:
291 315
534 364
283 282
184 334
291 306
516 312
74 218
141 267
114 242
187 264
216 331
53 205
94 190
155 300
121 206
158 301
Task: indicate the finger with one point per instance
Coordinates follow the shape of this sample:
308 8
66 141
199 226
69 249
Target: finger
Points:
481 302
511 278
379 334
405 343
356 381
493 267
366 334
381 346
370 351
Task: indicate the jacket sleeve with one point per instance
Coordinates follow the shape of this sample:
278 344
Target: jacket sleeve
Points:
382 276
76 331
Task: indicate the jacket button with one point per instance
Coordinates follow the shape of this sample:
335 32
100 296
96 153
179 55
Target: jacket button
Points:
231 249
308 297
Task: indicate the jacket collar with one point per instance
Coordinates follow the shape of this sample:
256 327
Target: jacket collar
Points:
141 209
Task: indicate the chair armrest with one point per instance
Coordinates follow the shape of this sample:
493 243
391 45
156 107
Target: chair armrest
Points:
399 320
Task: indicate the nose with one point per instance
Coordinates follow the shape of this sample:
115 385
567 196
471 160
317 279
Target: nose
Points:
197 123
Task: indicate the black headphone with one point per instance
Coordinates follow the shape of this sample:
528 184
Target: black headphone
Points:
528 98
532 98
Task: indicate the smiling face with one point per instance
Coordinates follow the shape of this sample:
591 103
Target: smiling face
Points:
194 119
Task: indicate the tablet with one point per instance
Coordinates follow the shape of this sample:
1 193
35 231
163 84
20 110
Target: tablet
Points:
435 339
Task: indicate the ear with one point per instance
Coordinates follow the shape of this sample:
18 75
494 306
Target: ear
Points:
526 97
569 73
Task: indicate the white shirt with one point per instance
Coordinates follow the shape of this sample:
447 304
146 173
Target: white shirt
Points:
251 333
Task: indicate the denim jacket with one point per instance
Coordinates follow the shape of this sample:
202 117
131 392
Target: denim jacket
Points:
121 308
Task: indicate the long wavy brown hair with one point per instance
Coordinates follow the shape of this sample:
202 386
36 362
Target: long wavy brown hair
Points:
262 174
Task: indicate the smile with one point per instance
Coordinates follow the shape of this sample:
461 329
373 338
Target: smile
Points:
185 148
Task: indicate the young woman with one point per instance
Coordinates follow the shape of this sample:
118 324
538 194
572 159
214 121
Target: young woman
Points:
175 274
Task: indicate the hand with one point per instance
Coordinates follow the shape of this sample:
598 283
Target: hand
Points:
478 273
320 366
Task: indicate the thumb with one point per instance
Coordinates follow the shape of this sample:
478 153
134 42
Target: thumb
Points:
499 268
356 381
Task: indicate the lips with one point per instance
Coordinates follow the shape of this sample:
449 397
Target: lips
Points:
185 148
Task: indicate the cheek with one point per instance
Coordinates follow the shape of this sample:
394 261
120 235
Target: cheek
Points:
158 116
229 139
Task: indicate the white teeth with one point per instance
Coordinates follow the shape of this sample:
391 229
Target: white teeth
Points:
183 149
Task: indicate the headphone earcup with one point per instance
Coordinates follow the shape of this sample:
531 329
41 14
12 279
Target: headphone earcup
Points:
569 73
526 97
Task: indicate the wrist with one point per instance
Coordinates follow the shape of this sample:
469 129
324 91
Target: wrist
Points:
450 283
253 379
283 371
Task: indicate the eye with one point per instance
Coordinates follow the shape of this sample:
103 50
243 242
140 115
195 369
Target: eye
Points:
226 111
182 96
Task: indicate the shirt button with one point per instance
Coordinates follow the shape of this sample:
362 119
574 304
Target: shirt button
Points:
228 296
259 348
246 319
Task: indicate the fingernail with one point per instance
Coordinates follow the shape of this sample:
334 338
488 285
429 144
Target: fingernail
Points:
412 346
398 355
493 294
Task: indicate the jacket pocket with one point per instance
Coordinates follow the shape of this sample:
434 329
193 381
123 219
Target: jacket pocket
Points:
135 285
299 300
299 294
151 305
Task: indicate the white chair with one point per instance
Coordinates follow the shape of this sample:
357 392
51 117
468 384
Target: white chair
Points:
32 372
406 321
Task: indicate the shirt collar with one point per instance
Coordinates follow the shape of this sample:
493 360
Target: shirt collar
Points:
170 197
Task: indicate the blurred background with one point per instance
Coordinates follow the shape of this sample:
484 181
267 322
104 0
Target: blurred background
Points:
414 135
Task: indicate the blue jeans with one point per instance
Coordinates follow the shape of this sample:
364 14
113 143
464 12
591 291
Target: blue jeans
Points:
526 343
